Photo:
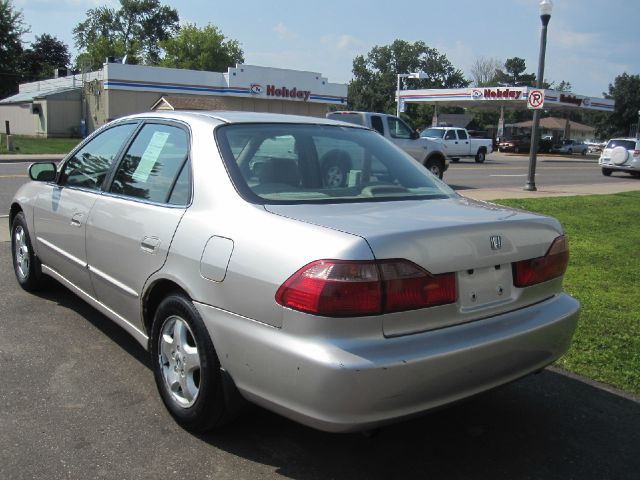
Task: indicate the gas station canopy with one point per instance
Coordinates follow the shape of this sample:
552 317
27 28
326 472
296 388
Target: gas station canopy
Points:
506 97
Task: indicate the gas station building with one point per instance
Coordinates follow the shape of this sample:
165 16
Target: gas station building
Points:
505 98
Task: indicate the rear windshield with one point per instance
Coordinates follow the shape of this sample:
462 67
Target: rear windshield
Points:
433 133
293 163
626 144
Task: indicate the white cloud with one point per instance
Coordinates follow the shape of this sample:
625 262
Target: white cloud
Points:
340 42
283 32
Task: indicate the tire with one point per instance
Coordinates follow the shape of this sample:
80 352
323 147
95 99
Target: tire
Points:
26 265
606 172
481 156
584 153
186 367
435 167
516 149
570 151
455 160
335 169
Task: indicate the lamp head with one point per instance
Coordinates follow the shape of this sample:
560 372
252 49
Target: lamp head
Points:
546 6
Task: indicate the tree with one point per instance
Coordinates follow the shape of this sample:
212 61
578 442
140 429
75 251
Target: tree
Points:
45 55
12 28
135 30
201 49
374 84
513 73
625 90
484 72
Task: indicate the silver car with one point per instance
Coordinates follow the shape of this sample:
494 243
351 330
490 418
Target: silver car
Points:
211 238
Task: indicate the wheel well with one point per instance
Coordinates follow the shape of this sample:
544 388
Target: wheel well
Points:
482 150
155 294
15 209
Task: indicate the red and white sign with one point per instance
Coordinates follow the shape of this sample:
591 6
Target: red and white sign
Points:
535 101
284 92
497 93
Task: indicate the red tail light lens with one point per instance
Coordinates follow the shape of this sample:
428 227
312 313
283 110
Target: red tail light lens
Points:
408 287
538 270
338 288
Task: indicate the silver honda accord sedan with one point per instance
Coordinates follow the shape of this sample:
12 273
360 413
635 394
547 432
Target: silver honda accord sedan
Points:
218 241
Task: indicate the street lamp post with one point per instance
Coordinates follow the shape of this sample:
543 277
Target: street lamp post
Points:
546 6
405 75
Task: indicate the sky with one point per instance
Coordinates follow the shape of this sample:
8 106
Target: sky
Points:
589 42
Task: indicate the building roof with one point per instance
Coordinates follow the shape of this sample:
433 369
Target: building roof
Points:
188 102
555 123
24 97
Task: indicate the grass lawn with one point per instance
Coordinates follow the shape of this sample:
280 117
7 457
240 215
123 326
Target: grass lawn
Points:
23 145
603 273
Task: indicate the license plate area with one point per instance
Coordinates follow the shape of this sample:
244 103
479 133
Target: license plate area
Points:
486 287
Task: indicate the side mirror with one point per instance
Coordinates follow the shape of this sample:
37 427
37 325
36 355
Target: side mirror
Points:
415 135
43 172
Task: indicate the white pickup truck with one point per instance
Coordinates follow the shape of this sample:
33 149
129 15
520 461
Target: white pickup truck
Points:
458 143
428 152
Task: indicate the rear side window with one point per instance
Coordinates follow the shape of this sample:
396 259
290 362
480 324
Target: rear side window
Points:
153 165
376 124
462 135
626 144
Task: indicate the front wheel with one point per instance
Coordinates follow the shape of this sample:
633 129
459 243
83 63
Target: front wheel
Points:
186 367
606 172
435 167
481 156
26 265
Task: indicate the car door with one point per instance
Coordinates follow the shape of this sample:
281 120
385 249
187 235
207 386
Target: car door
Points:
450 140
402 135
62 209
130 228
464 144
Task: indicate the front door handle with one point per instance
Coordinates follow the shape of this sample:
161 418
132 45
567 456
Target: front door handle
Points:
76 219
149 244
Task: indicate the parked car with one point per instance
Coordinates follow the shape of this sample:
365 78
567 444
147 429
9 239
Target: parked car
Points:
519 144
429 153
459 143
621 155
570 146
249 278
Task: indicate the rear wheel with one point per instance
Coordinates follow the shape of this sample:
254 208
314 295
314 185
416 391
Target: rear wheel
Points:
481 156
186 367
606 172
26 265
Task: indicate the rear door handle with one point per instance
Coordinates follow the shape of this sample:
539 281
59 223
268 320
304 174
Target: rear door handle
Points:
150 244
76 219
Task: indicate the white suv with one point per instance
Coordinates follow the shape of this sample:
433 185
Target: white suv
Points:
621 155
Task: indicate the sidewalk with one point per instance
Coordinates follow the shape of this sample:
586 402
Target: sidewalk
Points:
552 191
16 157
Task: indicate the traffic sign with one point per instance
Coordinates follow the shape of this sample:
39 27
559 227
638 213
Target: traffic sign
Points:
535 100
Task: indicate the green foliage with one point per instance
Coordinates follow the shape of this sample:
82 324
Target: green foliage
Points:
135 30
12 28
513 73
625 90
374 84
603 275
45 55
201 49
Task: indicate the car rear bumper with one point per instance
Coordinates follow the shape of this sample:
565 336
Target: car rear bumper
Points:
344 385
630 166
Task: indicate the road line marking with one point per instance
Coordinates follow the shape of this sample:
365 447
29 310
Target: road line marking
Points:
514 175
14 176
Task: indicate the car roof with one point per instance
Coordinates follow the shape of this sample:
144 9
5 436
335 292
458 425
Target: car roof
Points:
225 116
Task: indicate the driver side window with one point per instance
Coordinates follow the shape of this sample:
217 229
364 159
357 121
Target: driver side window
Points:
398 129
90 165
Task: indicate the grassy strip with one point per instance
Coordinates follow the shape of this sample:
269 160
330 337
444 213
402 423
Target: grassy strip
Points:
29 145
603 274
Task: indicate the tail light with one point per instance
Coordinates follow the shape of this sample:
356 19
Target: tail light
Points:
538 270
339 288
636 153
